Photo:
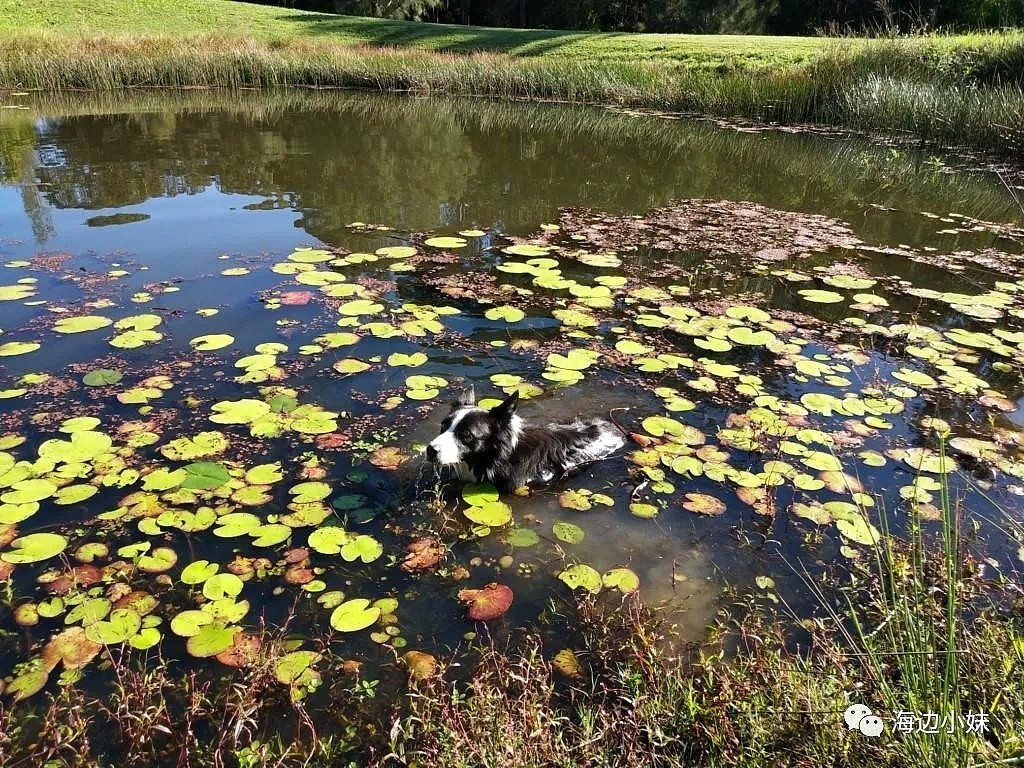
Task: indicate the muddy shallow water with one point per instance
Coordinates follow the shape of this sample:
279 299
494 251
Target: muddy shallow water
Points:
824 330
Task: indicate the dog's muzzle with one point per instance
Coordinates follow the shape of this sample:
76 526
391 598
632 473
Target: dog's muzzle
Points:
432 453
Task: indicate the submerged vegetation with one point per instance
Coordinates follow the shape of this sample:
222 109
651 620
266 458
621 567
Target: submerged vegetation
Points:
957 90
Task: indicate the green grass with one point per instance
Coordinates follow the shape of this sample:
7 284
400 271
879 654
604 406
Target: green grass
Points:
963 90
87 17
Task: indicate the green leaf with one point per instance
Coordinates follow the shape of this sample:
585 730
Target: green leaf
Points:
365 548
478 494
354 615
34 548
622 579
492 514
205 475
581 576
507 313
270 535
198 572
189 623
212 341
820 297
81 324
293 667
243 411
101 377
521 537
446 242
121 625
221 586
329 539
570 533
211 639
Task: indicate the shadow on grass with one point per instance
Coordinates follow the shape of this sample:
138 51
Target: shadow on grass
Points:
440 37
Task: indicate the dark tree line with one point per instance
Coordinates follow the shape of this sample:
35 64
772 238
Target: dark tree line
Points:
737 16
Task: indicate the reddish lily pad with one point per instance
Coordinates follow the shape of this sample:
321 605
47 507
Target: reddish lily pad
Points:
488 603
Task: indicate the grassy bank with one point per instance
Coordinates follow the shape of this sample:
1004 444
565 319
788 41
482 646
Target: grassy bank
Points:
963 90
918 633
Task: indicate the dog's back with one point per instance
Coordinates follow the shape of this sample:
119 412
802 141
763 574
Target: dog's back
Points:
500 448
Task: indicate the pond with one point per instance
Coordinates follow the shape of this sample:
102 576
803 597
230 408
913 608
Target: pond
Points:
230 323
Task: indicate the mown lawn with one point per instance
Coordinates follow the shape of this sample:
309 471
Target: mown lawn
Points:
227 17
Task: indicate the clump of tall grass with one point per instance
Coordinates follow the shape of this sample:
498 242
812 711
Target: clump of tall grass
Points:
942 92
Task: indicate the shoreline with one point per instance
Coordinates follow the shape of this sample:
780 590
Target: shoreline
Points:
897 86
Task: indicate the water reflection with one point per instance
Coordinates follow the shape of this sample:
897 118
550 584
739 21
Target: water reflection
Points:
416 164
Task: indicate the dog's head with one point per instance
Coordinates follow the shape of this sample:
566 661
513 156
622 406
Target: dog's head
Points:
474 435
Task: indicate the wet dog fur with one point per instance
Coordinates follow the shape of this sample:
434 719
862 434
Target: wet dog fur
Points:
499 447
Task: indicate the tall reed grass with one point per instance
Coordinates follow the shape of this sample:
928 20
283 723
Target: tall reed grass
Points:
961 96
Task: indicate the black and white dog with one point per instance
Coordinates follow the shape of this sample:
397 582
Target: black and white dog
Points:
499 447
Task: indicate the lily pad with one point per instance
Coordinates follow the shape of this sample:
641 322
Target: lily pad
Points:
211 639
34 548
354 615
581 576
570 533
488 603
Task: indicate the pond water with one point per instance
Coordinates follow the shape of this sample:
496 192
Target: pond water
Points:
228 329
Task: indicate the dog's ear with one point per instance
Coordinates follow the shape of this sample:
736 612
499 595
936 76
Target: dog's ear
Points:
466 397
507 409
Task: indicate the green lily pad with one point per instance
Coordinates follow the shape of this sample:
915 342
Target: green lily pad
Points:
74 494
222 585
576 360
157 560
204 475
521 537
858 530
211 639
34 548
294 668
360 307
362 547
243 411
189 623
506 313
121 625
81 324
28 491
622 579
13 348
823 462
492 514
28 680
821 297
236 524
212 341
198 572
446 242
581 576
328 539
270 535
414 360
354 615
575 499
567 532
478 494
350 365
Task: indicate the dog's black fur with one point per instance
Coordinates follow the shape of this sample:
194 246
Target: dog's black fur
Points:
499 447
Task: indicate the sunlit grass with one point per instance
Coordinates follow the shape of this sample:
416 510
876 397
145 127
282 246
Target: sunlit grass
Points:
950 89
864 90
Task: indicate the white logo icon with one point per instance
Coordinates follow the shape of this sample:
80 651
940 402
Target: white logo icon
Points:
860 717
